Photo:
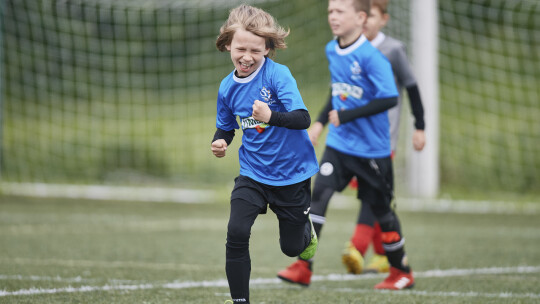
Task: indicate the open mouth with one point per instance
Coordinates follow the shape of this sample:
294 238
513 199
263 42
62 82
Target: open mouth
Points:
244 67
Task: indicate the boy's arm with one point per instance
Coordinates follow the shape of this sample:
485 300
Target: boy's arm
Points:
405 77
297 119
375 106
318 126
419 138
222 134
323 116
416 106
221 141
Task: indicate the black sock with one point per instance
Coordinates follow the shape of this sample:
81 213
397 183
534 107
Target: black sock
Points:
398 259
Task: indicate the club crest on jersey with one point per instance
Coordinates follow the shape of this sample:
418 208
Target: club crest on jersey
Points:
355 70
344 90
252 123
266 95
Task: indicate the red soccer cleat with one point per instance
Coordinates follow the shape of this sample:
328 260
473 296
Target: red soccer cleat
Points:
397 280
298 273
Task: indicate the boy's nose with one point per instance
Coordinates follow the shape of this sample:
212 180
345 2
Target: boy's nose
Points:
247 57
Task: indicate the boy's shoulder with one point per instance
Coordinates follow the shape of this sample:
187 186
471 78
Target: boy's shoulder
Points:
272 65
391 43
361 48
273 71
225 82
229 77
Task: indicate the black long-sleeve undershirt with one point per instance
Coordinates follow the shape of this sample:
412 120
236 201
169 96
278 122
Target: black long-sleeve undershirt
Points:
222 134
323 116
373 107
416 106
296 120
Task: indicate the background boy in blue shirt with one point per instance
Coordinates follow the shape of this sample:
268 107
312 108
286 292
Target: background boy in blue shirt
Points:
358 141
367 230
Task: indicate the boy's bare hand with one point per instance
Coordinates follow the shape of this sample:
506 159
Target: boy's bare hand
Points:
314 132
261 111
419 140
219 147
333 118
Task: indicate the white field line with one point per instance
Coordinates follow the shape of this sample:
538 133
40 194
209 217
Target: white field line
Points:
99 192
440 293
46 278
437 273
174 195
504 295
340 201
113 264
63 280
222 283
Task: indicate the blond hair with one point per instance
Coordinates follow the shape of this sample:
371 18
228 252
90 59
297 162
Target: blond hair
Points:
256 21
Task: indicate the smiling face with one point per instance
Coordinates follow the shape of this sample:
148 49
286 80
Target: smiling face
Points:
345 22
247 52
375 22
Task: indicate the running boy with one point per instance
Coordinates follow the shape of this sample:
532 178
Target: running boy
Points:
367 230
358 141
277 159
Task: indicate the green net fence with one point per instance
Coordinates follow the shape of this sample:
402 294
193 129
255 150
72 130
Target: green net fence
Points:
123 92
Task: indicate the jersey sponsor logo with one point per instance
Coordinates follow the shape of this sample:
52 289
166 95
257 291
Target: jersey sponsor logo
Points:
266 95
344 90
355 70
252 123
343 96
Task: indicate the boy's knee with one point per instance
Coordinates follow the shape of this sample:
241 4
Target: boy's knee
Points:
294 241
238 232
292 249
320 199
388 221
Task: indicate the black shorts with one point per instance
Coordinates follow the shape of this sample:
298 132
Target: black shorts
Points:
375 175
290 203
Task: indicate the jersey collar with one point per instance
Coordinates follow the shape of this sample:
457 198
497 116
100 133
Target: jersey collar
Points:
378 39
351 47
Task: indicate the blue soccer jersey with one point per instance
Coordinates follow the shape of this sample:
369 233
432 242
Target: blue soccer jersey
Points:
271 155
359 74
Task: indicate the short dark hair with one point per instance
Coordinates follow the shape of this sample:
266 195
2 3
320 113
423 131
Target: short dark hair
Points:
381 4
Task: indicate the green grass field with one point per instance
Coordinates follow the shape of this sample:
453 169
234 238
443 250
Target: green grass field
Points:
67 251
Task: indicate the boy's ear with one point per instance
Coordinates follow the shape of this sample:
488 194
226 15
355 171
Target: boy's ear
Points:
362 17
228 47
386 17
